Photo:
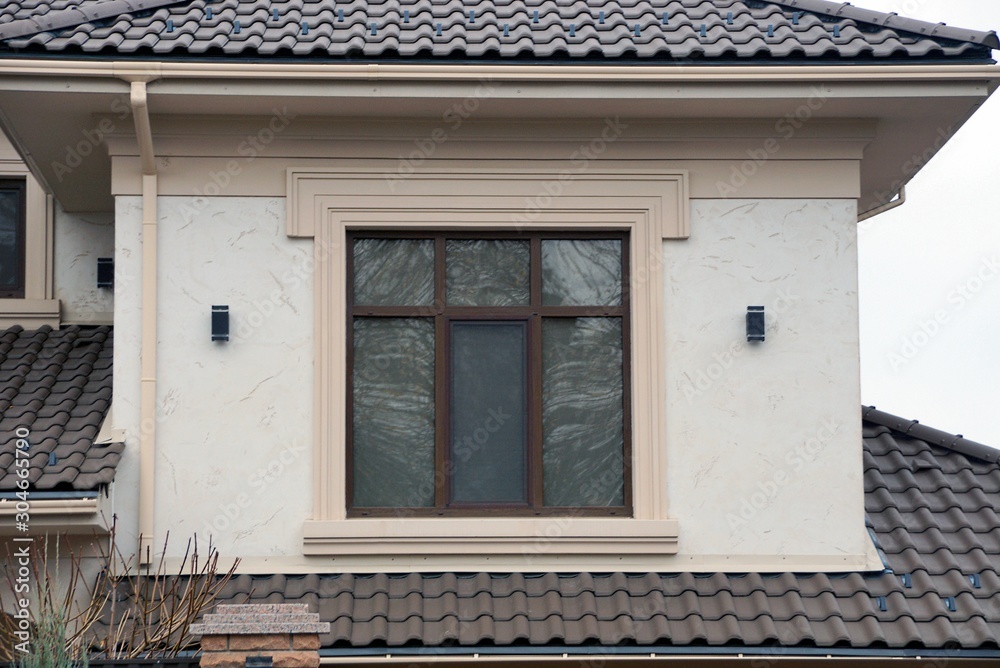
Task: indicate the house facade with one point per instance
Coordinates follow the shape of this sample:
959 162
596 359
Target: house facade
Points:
418 289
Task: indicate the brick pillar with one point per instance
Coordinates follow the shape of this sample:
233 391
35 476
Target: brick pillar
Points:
288 633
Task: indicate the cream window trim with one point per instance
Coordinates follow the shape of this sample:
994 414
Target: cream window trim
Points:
37 307
652 207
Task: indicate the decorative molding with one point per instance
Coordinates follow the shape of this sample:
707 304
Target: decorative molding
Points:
309 189
68 516
29 313
551 536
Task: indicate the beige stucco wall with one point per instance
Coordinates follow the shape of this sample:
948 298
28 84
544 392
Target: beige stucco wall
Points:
764 439
233 420
79 240
763 454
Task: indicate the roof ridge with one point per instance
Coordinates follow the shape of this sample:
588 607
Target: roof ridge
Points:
71 17
895 21
955 442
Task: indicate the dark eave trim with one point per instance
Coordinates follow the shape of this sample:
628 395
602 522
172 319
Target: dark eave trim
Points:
609 652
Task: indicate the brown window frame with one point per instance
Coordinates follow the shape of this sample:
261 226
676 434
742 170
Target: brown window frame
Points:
20 186
533 315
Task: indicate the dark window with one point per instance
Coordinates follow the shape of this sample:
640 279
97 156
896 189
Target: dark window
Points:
488 373
12 238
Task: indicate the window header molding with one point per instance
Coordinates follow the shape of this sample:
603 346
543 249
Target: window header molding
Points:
537 188
650 207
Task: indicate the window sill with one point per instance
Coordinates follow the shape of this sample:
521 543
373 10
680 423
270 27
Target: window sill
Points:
571 536
29 313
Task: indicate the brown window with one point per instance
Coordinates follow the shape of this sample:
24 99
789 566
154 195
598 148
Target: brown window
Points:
12 205
488 373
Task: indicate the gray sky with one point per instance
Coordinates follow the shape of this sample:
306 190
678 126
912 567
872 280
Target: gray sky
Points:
930 270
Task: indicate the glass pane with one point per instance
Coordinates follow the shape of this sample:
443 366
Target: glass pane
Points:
488 433
393 272
487 272
393 412
10 246
582 412
578 272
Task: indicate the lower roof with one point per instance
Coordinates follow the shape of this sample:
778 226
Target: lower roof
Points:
933 512
55 391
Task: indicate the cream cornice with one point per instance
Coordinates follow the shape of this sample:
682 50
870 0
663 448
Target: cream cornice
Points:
149 71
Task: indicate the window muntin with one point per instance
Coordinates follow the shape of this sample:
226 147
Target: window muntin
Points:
12 238
553 308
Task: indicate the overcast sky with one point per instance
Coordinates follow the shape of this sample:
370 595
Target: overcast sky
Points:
930 270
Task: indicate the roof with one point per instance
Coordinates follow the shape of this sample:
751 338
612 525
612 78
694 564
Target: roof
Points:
657 30
933 510
57 385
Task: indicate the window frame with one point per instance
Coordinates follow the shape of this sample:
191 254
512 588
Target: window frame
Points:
21 187
651 202
532 315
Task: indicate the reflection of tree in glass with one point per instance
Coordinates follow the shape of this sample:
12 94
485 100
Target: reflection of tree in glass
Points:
393 412
582 411
581 272
487 272
8 239
393 272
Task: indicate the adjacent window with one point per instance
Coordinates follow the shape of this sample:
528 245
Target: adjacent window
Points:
12 233
488 373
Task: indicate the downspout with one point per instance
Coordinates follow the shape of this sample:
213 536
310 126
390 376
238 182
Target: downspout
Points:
147 396
882 208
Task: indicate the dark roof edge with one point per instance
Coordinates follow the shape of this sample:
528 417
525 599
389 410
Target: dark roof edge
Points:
914 429
703 651
74 16
893 20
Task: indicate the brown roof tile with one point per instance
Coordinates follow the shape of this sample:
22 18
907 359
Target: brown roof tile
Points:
57 384
644 29
932 509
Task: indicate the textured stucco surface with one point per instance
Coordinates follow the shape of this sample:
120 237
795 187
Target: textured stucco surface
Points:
764 439
79 240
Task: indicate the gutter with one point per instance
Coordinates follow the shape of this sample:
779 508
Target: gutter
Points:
68 506
609 655
882 208
73 514
147 397
147 70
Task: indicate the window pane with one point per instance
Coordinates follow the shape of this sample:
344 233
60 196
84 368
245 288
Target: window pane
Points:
10 245
393 412
582 412
487 272
488 433
393 272
578 272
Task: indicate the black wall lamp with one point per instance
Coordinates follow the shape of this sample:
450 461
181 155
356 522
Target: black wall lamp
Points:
105 272
220 323
755 323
